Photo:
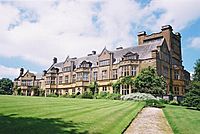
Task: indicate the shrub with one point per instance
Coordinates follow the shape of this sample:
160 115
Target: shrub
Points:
68 96
64 96
102 95
173 102
114 96
52 95
78 96
72 96
87 95
192 98
154 103
137 96
163 101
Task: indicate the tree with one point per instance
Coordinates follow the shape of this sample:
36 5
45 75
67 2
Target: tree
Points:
127 80
35 90
116 86
196 76
192 98
5 86
93 87
149 82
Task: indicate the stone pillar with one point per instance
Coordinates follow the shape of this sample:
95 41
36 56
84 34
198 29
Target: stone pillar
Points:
121 89
45 93
129 89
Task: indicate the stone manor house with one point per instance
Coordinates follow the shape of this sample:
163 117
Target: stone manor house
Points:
160 50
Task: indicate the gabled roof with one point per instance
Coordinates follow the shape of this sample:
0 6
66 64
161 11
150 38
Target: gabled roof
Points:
143 50
27 72
103 51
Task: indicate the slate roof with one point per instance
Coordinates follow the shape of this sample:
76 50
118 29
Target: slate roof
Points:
144 52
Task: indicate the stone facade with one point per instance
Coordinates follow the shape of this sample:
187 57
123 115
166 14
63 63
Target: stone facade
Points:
26 81
159 50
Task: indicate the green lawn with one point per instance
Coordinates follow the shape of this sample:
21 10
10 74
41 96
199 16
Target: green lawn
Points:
34 115
183 120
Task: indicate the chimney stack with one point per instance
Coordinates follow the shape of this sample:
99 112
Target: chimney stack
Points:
94 52
166 27
44 72
54 60
119 48
141 37
21 71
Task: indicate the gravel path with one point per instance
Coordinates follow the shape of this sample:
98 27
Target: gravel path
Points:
149 121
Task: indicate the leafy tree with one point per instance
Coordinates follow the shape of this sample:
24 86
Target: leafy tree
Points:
6 86
192 98
196 76
116 86
149 82
93 87
127 80
36 90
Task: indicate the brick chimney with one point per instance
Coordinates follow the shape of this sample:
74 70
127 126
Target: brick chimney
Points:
54 60
21 71
141 36
167 34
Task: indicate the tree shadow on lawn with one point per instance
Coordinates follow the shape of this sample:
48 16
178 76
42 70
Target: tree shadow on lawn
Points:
11 124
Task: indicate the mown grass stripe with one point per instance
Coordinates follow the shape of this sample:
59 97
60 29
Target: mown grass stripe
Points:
63 115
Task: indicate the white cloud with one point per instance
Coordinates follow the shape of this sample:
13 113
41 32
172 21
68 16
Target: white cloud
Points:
8 72
195 42
66 27
178 13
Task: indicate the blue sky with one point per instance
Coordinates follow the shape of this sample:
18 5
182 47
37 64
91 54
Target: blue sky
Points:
33 32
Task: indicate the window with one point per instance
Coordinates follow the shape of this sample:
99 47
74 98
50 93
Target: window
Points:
79 76
104 88
131 56
27 83
104 74
125 89
66 79
74 78
104 62
176 90
67 69
53 80
73 90
133 70
176 75
66 91
85 76
125 71
95 76
48 79
85 64
114 73
125 86
60 79
165 71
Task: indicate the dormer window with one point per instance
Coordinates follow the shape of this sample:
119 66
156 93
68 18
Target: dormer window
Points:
66 69
104 62
86 64
130 56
